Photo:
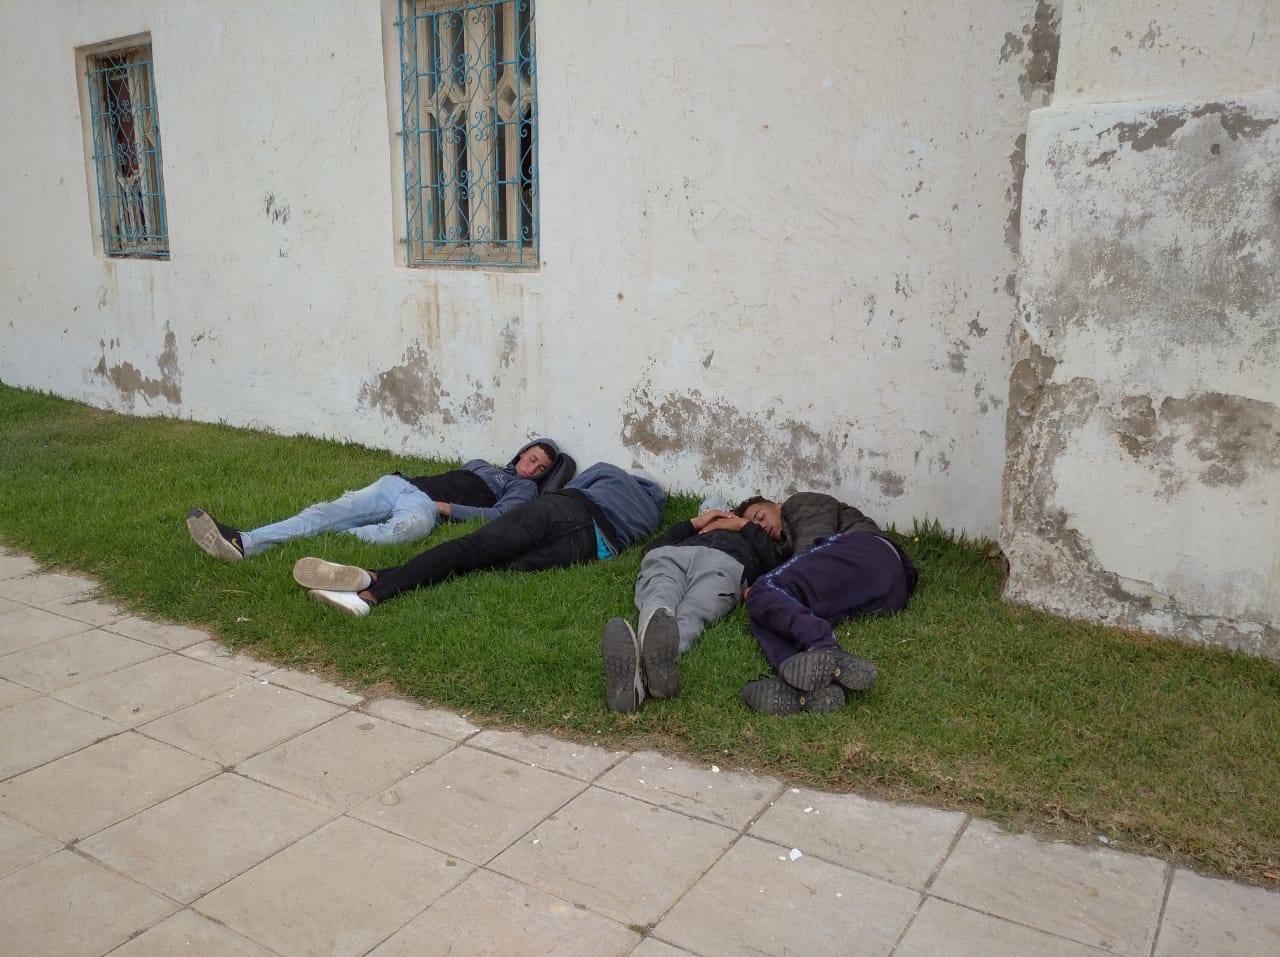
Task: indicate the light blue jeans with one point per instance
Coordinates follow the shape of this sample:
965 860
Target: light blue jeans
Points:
388 512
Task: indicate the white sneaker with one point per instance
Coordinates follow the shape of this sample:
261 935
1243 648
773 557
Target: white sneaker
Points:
345 601
330 576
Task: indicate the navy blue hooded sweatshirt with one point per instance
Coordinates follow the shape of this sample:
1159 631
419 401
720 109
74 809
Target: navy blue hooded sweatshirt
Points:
631 501
508 488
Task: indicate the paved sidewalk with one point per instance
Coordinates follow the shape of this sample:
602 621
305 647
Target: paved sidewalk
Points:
159 795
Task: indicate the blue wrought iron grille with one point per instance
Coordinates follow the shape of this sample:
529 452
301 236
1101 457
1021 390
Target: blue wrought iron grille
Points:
126 153
470 132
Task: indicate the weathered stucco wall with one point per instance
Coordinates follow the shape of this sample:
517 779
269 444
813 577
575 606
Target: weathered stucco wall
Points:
1142 483
778 240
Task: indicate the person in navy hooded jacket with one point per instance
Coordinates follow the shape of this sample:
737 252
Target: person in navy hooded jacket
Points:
599 514
394 509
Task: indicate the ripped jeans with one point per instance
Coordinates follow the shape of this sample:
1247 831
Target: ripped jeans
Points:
388 512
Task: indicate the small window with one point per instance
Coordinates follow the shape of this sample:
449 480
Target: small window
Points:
126 153
469 132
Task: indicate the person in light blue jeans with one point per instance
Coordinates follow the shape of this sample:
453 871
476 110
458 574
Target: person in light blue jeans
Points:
394 509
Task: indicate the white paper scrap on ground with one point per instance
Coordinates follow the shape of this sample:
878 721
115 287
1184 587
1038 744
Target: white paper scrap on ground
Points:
795 854
714 769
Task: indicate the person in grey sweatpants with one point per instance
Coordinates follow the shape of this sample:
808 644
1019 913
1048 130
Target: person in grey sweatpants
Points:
690 576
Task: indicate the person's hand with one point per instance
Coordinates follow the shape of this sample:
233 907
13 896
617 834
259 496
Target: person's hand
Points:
731 523
444 508
707 517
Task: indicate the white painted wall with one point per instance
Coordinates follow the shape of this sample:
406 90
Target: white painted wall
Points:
773 240
1144 457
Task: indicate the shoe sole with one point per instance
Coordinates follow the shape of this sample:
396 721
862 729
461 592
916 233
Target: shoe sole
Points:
811 670
205 533
330 576
659 649
324 599
777 698
618 649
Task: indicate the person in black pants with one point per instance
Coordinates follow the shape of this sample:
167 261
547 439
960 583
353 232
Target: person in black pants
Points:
596 516
792 610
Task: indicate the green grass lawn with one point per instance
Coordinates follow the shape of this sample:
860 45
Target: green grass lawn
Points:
1064 728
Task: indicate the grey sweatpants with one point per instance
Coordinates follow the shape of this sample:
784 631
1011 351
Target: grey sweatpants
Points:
698 584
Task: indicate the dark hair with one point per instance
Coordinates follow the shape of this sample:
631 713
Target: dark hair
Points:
551 453
741 510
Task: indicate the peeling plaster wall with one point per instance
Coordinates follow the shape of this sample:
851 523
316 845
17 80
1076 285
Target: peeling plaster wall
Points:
778 240
1142 483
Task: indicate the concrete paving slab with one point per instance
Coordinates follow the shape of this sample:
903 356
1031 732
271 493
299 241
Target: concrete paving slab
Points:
491 914
581 761
187 932
8 604
86 609
620 857
413 715
84 792
69 661
172 637
20 845
191 843
71 907
1093 896
945 928
337 892
16 565
315 686
900 842
730 798
214 652
44 586
242 722
758 901
1205 916
37 731
344 761
469 803
652 947
11 694
28 627
145 691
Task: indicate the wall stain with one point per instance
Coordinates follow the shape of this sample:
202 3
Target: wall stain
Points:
509 342
1018 166
725 441
891 483
1236 120
131 383
1141 135
409 391
1012 47
275 210
1043 36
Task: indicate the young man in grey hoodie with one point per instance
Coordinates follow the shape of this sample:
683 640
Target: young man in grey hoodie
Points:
599 514
394 509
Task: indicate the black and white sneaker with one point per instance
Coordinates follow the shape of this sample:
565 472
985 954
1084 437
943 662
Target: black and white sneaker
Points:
214 538
623 686
659 648
811 670
771 696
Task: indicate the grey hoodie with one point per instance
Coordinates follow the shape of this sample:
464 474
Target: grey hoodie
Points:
510 489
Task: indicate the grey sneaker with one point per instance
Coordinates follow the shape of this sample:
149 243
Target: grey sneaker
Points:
214 538
620 648
659 648
330 576
811 670
771 696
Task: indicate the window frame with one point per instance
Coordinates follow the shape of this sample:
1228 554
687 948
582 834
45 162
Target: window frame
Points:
134 72
455 215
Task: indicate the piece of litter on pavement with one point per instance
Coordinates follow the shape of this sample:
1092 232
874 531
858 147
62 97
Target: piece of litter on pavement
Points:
714 769
838 894
535 840
795 790
795 854
808 810
781 858
641 780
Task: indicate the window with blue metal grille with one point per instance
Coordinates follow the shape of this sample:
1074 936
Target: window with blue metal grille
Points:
126 153
470 122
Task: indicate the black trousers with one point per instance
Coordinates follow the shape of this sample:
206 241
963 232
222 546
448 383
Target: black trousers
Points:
552 531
